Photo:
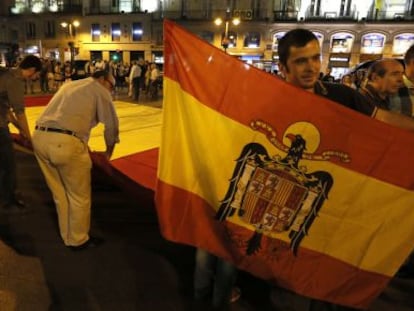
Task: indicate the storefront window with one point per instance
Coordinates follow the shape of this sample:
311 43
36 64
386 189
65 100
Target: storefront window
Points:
372 43
252 40
342 42
401 43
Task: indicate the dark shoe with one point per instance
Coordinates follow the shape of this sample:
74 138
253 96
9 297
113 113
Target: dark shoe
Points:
93 242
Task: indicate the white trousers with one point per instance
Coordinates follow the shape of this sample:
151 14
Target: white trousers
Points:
66 165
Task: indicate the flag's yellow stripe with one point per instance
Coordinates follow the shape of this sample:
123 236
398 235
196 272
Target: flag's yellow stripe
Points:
362 229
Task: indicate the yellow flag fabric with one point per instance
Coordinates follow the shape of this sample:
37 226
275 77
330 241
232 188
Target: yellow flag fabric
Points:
285 184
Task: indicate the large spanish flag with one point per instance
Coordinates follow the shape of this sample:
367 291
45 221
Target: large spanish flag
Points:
289 186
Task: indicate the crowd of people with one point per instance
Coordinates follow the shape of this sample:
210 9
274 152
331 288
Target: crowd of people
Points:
385 93
54 74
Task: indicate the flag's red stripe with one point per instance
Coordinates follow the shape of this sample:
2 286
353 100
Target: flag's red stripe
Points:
219 81
193 223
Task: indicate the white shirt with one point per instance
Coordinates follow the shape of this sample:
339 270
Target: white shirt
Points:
79 106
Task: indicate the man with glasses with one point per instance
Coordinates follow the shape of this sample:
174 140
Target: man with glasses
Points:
60 142
12 109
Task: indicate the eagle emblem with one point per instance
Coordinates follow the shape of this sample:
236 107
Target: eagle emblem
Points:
273 193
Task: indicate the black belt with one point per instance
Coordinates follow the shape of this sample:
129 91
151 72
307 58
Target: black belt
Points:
55 130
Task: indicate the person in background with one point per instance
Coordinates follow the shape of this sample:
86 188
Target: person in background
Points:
134 80
348 81
403 102
60 143
328 77
300 62
384 79
153 82
12 110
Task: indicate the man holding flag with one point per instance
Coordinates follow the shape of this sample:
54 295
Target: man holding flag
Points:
278 187
300 63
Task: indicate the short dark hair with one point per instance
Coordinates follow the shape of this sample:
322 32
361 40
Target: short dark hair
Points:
31 61
297 38
409 55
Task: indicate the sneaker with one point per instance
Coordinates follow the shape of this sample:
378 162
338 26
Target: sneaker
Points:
235 294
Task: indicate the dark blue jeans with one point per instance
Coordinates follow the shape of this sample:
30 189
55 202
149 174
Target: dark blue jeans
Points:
214 279
7 167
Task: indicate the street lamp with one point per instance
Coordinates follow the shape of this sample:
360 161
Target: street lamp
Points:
72 34
218 21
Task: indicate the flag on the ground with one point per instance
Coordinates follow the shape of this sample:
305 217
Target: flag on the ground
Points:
286 184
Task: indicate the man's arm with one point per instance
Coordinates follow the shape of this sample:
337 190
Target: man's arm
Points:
23 126
396 119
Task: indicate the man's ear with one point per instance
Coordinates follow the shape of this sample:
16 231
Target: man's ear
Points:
283 69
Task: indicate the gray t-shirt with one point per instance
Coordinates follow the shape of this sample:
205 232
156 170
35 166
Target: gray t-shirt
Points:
11 93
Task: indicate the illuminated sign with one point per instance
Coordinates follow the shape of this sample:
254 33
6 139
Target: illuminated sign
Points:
402 42
342 42
372 43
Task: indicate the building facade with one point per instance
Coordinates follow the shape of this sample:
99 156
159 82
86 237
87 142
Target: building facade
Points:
349 31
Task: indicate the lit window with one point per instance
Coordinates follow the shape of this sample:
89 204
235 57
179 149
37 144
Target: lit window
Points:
137 31
252 40
96 32
116 31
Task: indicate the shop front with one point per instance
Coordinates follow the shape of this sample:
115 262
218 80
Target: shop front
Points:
401 44
340 53
372 47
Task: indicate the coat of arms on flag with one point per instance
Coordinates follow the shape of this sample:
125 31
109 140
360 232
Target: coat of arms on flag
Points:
285 184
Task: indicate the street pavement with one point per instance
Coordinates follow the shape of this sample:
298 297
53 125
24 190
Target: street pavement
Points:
135 269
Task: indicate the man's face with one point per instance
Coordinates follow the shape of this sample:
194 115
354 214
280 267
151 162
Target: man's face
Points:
393 78
303 65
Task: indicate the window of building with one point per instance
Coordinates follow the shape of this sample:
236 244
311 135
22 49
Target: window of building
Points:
116 31
276 37
136 55
125 6
30 30
137 31
252 40
50 30
231 37
96 32
96 55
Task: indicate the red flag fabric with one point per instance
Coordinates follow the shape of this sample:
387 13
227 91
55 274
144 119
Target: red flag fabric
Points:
285 184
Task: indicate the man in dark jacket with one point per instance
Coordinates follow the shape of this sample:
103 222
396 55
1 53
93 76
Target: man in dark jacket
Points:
385 78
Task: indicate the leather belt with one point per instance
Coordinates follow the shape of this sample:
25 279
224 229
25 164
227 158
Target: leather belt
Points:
55 130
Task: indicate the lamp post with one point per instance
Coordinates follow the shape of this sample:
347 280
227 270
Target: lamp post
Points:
225 42
72 34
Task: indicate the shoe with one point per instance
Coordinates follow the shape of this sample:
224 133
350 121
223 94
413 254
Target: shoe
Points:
235 294
93 242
